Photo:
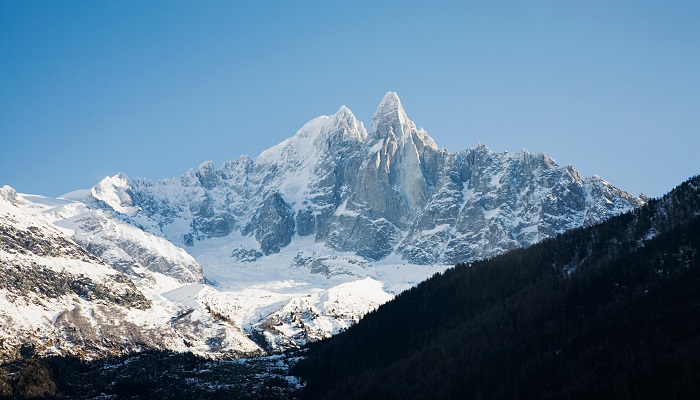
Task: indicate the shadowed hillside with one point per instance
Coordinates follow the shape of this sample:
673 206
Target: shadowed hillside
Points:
610 311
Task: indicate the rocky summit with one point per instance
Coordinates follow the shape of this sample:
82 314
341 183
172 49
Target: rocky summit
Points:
268 253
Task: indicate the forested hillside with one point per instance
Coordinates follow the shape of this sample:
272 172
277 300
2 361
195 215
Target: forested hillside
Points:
610 311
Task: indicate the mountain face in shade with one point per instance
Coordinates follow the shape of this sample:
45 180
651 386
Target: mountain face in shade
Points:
389 191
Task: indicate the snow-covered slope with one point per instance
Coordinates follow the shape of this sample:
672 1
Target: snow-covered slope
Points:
304 239
60 296
320 315
57 298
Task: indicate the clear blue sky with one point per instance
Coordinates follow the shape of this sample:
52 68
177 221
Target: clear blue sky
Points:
149 88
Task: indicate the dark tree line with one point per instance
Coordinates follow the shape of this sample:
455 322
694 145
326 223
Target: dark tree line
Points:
151 375
601 312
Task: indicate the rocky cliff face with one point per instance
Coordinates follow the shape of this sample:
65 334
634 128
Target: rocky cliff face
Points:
377 193
488 203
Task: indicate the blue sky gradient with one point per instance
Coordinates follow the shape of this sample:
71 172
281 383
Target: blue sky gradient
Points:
92 88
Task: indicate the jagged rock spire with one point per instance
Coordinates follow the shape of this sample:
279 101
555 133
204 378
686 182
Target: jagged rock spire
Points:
389 118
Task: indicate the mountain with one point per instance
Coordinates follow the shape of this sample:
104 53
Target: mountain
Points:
297 244
607 311
387 191
57 298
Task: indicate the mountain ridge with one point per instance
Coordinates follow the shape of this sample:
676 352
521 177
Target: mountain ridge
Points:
338 182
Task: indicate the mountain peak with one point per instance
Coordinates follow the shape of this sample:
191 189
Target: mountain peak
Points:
389 113
344 120
113 191
391 99
390 106
8 193
206 173
344 110
343 114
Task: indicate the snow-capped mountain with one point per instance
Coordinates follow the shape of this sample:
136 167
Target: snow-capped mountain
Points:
301 241
387 191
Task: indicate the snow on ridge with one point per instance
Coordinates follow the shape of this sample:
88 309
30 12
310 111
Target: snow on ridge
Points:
297 146
95 227
112 191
